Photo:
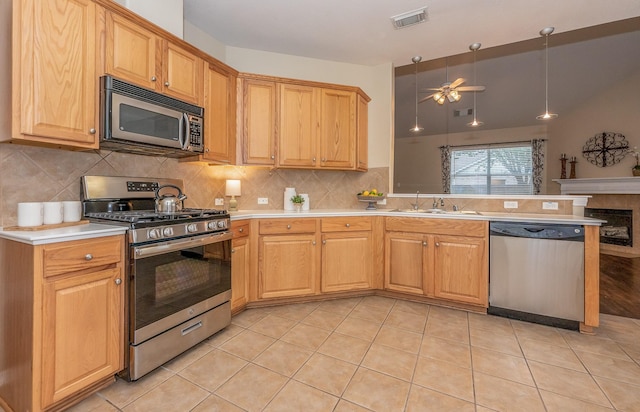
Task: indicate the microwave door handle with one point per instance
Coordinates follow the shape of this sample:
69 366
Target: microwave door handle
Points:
183 132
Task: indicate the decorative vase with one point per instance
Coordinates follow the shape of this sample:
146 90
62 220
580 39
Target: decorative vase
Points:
297 206
636 171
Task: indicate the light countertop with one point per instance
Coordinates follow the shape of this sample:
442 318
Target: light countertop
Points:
63 234
490 216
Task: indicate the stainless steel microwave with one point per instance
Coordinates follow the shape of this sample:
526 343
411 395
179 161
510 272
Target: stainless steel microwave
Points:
137 120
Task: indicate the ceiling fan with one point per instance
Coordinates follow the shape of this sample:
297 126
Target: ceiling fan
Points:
450 90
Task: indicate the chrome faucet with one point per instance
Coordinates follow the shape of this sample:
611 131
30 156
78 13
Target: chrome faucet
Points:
436 201
416 205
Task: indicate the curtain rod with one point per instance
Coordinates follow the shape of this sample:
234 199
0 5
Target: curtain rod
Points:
493 144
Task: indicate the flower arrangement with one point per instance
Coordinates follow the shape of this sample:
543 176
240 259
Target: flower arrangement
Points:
635 153
297 199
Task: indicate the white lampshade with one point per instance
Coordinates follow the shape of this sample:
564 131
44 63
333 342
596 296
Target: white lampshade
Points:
233 187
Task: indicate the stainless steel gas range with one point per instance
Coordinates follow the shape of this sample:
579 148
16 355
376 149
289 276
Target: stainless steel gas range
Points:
179 267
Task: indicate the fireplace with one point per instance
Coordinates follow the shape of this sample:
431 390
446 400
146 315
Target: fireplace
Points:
619 227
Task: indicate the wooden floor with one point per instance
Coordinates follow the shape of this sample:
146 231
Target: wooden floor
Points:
620 286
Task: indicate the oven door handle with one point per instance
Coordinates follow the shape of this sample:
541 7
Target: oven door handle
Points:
140 252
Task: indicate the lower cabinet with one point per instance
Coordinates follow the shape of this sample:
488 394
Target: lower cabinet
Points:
63 322
287 258
240 264
439 258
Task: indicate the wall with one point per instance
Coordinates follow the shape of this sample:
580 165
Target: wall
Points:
165 13
615 110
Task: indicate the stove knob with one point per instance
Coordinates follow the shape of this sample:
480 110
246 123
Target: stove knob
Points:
212 225
222 224
192 227
154 234
167 231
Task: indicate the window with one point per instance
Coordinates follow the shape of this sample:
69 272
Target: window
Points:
492 170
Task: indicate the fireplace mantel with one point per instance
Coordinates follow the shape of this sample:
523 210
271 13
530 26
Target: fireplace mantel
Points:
600 185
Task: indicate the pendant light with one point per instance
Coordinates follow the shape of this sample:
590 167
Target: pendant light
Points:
474 48
416 128
546 116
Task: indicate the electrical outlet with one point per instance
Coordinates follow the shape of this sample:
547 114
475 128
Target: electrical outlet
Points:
550 205
263 200
511 205
382 202
219 201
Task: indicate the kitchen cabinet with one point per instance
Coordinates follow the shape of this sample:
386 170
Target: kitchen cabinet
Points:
347 254
136 53
288 123
64 320
54 73
220 119
441 258
258 125
288 258
240 264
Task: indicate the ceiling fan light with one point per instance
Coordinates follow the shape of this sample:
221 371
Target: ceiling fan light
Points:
453 96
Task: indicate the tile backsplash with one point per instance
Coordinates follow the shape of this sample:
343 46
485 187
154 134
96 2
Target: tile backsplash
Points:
35 174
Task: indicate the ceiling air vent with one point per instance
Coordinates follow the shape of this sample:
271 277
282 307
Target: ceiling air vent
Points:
462 112
409 18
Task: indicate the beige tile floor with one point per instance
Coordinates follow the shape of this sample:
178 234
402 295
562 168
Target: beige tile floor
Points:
381 354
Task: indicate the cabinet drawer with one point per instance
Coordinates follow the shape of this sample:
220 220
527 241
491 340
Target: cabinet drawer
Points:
345 224
458 227
240 229
280 226
81 254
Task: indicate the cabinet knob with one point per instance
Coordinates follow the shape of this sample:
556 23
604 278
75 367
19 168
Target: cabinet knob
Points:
437 244
273 157
314 160
166 84
313 243
288 226
348 225
324 242
233 251
153 78
241 230
424 243
324 159
118 281
88 256
92 131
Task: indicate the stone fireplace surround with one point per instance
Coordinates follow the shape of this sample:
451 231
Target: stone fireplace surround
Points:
610 193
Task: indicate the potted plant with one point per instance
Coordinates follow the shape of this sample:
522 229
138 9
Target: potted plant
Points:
297 201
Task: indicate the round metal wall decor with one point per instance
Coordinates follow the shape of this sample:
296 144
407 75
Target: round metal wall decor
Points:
605 149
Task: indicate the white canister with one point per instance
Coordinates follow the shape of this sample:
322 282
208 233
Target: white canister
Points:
53 213
305 205
289 192
71 211
30 214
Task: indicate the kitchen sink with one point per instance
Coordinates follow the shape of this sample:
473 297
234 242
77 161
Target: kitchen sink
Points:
437 211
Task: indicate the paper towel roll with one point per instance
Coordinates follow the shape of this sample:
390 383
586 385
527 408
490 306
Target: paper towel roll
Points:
288 193
305 205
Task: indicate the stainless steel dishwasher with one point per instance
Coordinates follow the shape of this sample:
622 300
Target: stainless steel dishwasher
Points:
536 272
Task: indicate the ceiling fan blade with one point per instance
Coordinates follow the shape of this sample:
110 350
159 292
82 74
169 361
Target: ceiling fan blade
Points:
471 89
424 99
456 83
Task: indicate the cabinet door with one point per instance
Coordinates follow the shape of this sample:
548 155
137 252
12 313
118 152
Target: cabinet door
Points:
406 262
82 331
259 122
287 265
338 129
220 118
346 261
54 72
239 272
131 52
297 144
363 134
182 74
461 269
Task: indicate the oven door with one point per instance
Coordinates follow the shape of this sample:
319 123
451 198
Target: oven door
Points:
174 281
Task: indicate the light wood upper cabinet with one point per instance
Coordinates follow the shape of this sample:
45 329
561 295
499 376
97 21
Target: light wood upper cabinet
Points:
298 126
337 148
131 51
461 269
258 132
55 93
362 132
138 55
220 115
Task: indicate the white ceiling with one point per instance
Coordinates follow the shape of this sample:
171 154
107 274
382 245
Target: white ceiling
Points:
360 31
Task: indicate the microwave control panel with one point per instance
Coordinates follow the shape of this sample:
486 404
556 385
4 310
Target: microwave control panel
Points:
195 131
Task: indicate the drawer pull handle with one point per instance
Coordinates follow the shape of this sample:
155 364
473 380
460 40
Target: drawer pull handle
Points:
118 281
191 328
88 256
288 226
348 225
241 230
424 243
